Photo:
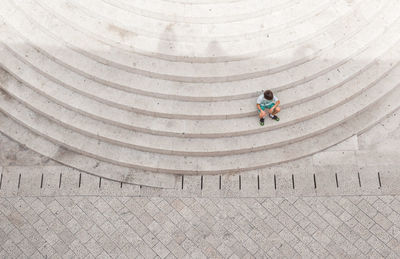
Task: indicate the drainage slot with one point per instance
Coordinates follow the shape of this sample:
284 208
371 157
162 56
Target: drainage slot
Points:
41 182
379 180
100 182
275 182
201 183
220 182
182 178
337 182
315 182
80 180
258 182
19 180
240 182
59 181
293 182
121 184
359 179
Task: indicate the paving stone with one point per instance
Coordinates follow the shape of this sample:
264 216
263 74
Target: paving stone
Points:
382 221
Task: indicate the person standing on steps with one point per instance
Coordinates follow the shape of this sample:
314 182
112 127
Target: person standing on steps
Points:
268 102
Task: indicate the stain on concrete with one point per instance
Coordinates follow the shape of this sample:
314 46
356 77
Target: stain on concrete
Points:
170 27
5 94
16 220
214 49
167 39
4 78
305 51
123 33
61 152
15 154
70 5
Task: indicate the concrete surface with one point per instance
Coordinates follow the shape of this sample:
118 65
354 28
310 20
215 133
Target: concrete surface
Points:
128 129
78 215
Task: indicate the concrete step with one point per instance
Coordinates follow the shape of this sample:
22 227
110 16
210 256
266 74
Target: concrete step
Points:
218 72
114 77
376 100
187 127
203 110
191 146
209 13
267 8
80 162
89 107
120 20
213 49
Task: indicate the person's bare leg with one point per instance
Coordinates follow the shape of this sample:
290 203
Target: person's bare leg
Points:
272 113
262 114
276 110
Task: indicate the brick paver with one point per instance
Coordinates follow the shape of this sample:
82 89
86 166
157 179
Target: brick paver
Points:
149 227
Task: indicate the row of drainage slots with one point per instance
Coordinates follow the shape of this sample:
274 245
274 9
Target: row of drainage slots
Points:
201 181
275 186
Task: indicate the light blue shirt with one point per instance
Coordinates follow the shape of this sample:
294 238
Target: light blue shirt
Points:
264 103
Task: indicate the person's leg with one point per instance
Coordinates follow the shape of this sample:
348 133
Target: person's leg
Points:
272 113
276 110
262 115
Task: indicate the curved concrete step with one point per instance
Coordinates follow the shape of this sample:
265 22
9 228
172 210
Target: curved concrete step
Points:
82 128
184 72
189 88
191 128
182 110
211 50
375 101
80 162
204 110
208 16
174 109
121 21
193 146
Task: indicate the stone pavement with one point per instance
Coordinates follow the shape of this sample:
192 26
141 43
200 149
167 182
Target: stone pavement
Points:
142 227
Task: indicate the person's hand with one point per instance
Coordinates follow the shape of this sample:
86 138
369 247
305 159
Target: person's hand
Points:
263 113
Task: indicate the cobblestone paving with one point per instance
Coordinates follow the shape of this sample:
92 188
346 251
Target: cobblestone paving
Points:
140 227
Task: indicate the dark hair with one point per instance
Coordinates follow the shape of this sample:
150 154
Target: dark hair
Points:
268 95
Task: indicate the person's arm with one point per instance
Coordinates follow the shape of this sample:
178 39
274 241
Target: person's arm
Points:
259 107
261 111
276 104
273 107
